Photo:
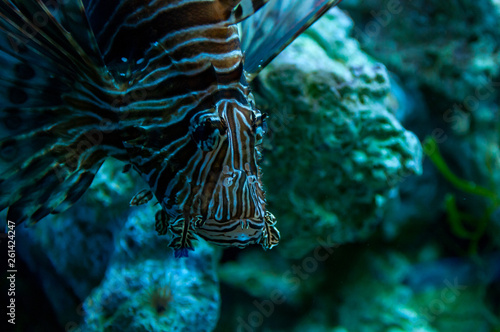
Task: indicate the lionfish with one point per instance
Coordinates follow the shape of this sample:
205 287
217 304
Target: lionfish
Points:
162 85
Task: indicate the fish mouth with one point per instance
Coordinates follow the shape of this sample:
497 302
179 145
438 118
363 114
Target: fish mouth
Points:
232 233
241 232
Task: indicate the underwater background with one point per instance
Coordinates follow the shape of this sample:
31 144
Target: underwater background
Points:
381 165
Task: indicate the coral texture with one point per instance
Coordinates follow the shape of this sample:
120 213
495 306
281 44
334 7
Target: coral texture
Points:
146 289
335 149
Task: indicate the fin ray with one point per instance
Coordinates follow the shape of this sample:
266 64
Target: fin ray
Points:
51 80
266 33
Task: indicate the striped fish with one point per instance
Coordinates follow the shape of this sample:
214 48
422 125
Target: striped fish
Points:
162 85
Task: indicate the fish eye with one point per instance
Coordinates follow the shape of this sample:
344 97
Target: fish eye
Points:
207 132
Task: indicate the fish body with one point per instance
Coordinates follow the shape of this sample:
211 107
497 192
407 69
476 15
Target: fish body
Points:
161 85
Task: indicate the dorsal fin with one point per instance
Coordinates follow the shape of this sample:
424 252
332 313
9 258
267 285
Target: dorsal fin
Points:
71 15
266 33
54 32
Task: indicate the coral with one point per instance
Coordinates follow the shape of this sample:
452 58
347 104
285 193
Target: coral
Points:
146 289
378 300
390 291
395 280
335 149
159 299
275 278
449 46
447 55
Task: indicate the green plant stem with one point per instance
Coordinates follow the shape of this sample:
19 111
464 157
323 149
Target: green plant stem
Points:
455 217
463 185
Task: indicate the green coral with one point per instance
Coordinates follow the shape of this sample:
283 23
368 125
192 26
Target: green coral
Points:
376 298
146 289
335 150
449 46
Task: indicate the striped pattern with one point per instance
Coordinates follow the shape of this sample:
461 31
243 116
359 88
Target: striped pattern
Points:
159 84
51 104
192 131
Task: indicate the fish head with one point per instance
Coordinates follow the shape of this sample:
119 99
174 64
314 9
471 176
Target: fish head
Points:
227 200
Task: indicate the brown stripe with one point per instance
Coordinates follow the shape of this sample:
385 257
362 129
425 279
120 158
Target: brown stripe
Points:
151 30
